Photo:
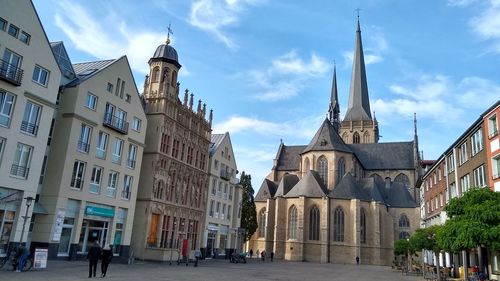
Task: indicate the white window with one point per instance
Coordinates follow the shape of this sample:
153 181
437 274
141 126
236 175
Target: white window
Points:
492 126
463 156
102 144
30 118
117 151
40 75
83 144
95 179
451 163
112 183
223 215
465 183
132 154
11 66
439 174
440 199
21 163
3 142
91 101
231 192
477 142
77 174
109 88
217 209
127 187
136 124
454 191
121 117
479 178
495 167
6 106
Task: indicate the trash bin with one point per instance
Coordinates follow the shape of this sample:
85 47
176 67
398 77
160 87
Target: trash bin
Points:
461 272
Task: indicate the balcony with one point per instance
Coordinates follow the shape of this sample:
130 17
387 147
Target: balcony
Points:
11 73
77 183
83 146
111 191
29 128
19 171
225 175
115 123
126 194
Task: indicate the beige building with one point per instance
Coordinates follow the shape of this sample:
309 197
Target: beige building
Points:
91 181
29 83
222 224
343 196
171 202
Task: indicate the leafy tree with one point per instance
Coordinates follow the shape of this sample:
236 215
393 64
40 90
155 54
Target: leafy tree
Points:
474 220
401 247
425 238
248 210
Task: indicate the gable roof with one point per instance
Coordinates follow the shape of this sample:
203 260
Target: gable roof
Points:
286 184
63 60
400 197
267 190
86 70
385 156
350 188
311 185
215 141
288 158
327 138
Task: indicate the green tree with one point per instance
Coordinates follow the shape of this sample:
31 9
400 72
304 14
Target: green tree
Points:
401 247
248 210
474 220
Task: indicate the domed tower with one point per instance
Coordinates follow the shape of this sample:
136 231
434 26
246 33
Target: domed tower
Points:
163 68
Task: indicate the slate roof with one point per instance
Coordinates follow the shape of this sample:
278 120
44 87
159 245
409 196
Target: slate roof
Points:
288 158
400 197
266 190
86 70
350 188
63 60
385 156
286 184
311 185
215 141
326 138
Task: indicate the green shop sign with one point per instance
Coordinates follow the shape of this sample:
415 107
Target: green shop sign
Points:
99 211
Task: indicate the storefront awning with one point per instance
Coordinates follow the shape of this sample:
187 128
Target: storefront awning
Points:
39 209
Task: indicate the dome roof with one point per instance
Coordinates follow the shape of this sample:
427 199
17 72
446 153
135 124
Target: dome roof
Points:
168 53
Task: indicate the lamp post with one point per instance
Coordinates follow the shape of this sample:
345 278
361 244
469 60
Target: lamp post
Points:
29 200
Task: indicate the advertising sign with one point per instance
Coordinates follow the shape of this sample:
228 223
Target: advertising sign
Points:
56 237
40 260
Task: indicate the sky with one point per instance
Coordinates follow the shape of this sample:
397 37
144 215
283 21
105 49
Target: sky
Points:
265 66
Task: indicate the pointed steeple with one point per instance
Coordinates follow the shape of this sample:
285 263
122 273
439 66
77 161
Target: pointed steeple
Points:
359 103
334 110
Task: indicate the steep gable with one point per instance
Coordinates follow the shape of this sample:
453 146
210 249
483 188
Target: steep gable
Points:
311 185
326 139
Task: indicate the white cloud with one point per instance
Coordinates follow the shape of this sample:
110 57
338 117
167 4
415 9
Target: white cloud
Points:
438 98
214 15
373 48
287 76
108 37
460 3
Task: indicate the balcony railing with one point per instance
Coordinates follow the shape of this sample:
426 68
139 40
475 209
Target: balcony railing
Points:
19 171
115 123
83 146
100 153
225 175
95 188
11 73
111 191
29 128
76 183
131 163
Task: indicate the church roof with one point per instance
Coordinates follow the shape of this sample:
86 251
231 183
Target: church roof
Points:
288 158
385 156
215 141
400 197
266 190
350 188
287 182
359 103
311 185
327 139
167 53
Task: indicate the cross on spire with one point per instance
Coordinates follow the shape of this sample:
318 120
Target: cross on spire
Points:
357 11
169 31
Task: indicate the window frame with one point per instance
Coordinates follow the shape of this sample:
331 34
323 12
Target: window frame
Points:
3 24
136 124
14 27
28 125
83 144
314 223
91 101
77 175
96 179
41 70
4 103
26 35
292 223
338 224
22 158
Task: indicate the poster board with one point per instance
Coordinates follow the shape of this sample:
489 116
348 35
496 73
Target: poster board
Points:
40 259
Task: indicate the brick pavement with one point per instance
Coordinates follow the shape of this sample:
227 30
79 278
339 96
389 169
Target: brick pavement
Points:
211 270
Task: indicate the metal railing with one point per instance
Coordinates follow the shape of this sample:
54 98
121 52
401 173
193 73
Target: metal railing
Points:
76 183
131 163
115 123
11 73
30 128
20 171
83 146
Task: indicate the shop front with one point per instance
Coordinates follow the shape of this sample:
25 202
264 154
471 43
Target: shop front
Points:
95 226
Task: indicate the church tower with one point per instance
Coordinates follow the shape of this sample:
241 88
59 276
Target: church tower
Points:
358 125
334 109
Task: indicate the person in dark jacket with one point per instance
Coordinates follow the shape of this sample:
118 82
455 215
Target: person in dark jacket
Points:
107 255
93 256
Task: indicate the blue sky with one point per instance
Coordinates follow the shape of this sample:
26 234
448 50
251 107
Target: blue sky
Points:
265 66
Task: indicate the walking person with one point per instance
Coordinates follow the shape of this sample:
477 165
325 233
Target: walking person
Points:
106 256
272 256
251 253
21 256
257 254
263 255
93 256
357 260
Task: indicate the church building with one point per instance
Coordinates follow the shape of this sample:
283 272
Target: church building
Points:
344 195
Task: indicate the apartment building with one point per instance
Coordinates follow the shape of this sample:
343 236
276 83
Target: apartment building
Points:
493 146
29 83
222 224
91 180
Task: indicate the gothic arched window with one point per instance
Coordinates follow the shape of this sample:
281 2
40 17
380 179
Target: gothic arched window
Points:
262 222
156 74
366 137
338 225
292 223
404 235
323 169
362 226
314 223
402 178
404 221
174 78
345 137
341 169
355 138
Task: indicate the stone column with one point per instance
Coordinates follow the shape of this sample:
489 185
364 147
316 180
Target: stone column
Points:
355 213
374 234
280 227
325 229
270 222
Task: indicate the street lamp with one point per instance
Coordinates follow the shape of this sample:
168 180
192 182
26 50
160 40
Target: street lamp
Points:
29 200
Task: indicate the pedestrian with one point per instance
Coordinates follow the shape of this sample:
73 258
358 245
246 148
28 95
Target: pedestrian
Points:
93 256
106 256
257 254
21 256
272 256
263 255
357 260
251 253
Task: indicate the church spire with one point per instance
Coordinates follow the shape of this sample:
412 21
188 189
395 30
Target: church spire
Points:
334 110
359 103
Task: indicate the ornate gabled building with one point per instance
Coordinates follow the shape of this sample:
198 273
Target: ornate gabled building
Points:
344 195
171 200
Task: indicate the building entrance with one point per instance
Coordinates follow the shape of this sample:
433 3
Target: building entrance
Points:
93 230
